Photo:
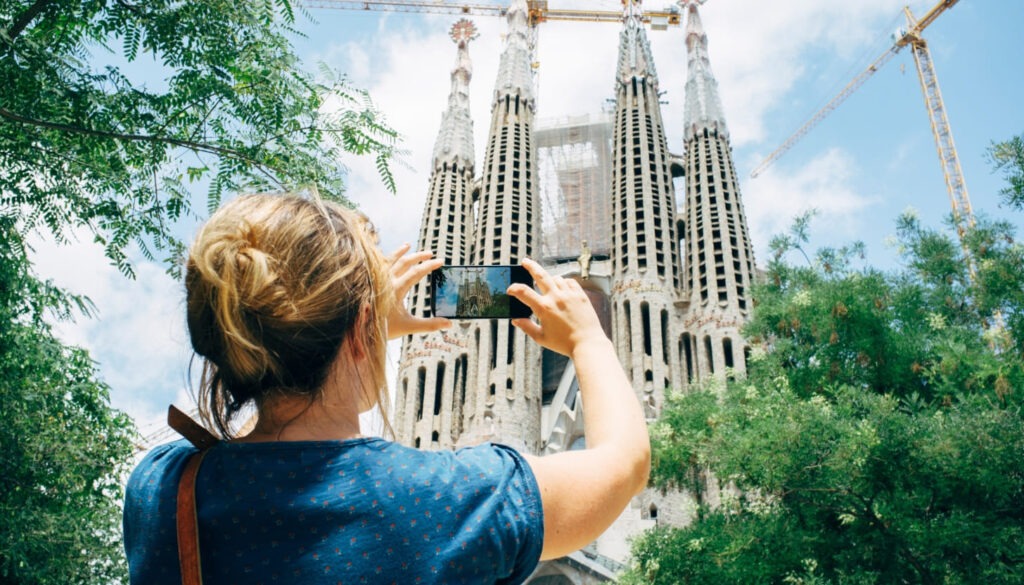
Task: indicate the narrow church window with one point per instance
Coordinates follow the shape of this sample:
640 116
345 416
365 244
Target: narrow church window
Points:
664 336
629 325
709 353
421 381
438 388
510 353
687 356
494 345
645 321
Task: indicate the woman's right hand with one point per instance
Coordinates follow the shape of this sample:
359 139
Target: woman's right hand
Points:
584 491
565 316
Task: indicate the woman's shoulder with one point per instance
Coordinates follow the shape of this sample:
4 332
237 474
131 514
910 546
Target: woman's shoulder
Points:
159 461
485 458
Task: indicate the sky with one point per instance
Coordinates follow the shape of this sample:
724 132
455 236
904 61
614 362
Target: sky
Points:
776 64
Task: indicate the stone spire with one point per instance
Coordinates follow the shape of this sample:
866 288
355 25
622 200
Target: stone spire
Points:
719 258
515 74
433 368
455 139
703 108
644 243
504 399
635 59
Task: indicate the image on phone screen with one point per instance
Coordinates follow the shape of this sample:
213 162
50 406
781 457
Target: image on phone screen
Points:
477 292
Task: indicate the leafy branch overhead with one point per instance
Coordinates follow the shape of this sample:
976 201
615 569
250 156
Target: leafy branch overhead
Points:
83 142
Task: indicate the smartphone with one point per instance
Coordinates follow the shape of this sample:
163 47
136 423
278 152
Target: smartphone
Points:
477 292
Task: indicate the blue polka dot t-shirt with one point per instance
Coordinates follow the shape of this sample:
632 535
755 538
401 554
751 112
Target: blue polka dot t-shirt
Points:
339 512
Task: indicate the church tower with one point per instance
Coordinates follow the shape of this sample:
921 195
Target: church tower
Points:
432 370
505 400
644 244
719 258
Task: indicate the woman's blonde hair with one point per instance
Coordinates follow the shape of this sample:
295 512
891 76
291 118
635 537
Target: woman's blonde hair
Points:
276 284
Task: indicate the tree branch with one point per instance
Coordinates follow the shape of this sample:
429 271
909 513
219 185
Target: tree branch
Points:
26 18
189 144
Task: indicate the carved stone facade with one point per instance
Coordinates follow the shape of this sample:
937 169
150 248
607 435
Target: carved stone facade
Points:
479 381
671 284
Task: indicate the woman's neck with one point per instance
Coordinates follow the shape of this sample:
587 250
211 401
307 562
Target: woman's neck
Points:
333 415
296 418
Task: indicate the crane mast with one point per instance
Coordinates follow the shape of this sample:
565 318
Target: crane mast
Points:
963 215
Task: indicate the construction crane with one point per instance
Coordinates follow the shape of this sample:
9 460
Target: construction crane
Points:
963 216
539 10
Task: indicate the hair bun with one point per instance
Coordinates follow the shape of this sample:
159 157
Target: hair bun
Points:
275 285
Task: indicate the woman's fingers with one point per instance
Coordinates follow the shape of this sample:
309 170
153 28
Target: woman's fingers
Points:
435 323
393 257
541 278
413 275
402 261
407 269
527 295
531 329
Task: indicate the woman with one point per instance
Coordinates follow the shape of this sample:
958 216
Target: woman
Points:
290 305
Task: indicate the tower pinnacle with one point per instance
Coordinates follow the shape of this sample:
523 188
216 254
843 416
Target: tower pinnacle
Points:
635 59
703 109
455 138
514 72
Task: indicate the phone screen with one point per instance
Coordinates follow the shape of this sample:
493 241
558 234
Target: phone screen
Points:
477 292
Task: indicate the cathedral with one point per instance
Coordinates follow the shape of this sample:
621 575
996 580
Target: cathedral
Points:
668 273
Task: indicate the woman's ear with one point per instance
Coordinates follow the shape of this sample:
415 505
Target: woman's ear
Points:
356 341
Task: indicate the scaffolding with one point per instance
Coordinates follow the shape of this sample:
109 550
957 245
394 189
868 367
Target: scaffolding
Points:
574 165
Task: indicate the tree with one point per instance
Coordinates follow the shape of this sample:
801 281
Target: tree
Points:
63 450
88 144
878 436
1008 156
82 144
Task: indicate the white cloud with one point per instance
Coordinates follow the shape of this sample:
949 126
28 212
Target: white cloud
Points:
137 337
823 185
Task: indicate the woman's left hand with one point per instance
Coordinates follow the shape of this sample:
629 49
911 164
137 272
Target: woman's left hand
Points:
406 270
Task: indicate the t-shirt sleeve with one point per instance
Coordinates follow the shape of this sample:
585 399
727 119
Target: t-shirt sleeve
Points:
150 512
511 515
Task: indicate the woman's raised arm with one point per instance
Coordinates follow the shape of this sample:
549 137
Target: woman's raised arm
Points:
583 492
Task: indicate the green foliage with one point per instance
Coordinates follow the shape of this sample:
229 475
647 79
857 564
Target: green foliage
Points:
63 450
85 145
82 144
878 435
1008 157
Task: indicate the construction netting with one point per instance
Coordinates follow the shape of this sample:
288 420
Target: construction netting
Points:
574 167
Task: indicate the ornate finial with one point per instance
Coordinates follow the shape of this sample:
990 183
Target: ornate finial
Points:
632 8
463 31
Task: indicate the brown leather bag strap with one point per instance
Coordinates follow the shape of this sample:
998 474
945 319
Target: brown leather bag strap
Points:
188 525
190 429
187 516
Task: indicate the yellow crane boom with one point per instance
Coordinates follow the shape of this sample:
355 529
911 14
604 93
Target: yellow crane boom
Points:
960 202
539 10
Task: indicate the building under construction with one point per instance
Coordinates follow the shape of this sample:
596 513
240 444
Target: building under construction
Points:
594 197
